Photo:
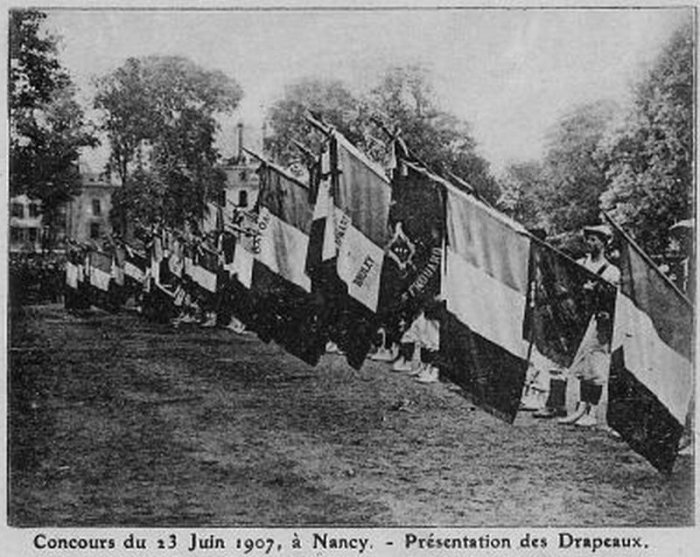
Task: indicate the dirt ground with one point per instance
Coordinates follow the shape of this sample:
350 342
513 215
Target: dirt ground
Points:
115 421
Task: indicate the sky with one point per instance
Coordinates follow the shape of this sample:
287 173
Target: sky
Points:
509 73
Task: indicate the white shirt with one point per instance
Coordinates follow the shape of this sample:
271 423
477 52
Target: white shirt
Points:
611 273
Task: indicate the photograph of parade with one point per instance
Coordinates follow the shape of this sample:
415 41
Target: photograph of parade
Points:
351 267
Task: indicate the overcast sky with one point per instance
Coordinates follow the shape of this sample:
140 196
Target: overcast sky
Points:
509 73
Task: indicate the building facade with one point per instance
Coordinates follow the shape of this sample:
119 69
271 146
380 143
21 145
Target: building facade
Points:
85 217
242 184
26 228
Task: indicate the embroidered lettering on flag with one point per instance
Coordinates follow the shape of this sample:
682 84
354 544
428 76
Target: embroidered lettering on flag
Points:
361 227
282 248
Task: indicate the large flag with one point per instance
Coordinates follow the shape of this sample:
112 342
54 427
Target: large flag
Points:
411 277
562 297
286 310
350 232
485 288
651 372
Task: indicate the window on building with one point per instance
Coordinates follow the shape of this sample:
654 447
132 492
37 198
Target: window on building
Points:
33 234
243 198
96 207
16 234
33 210
17 210
243 175
94 230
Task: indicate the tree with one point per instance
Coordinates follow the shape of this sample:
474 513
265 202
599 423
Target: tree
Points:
574 173
47 126
35 72
160 118
522 188
286 117
650 155
405 100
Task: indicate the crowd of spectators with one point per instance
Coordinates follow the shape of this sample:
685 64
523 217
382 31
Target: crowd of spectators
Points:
36 278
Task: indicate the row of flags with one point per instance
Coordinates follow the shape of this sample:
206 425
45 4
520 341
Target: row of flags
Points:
356 249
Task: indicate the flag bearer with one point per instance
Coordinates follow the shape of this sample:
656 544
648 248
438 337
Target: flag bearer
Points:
592 362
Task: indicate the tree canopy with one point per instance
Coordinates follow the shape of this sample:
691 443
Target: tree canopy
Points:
47 125
404 101
650 156
160 118
331 98
636 164
574 176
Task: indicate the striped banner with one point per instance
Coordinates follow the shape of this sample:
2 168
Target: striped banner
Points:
651 374
485 288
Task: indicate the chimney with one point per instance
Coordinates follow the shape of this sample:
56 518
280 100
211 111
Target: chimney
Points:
240 141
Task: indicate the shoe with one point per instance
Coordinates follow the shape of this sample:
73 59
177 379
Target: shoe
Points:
574 417
383 355
401 365
429 375
548 412
236 326
533 401
685 446
332 348
416 369
588 420
611 432
210 321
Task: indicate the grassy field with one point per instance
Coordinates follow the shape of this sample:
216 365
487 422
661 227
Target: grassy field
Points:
115 421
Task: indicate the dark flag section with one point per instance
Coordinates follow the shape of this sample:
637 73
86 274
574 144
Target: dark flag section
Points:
353 251
562 298
410 280
285 308
485 289
651 373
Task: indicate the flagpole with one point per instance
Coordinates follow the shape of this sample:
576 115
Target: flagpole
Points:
304 150
276 168
647 258
316 123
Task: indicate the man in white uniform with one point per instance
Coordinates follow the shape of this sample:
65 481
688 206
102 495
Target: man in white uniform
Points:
592 362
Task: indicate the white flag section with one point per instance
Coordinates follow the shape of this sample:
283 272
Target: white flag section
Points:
360 266
663 370
100 270
282 249
242 266
131 270
204 278
71 275
485 282
99 278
